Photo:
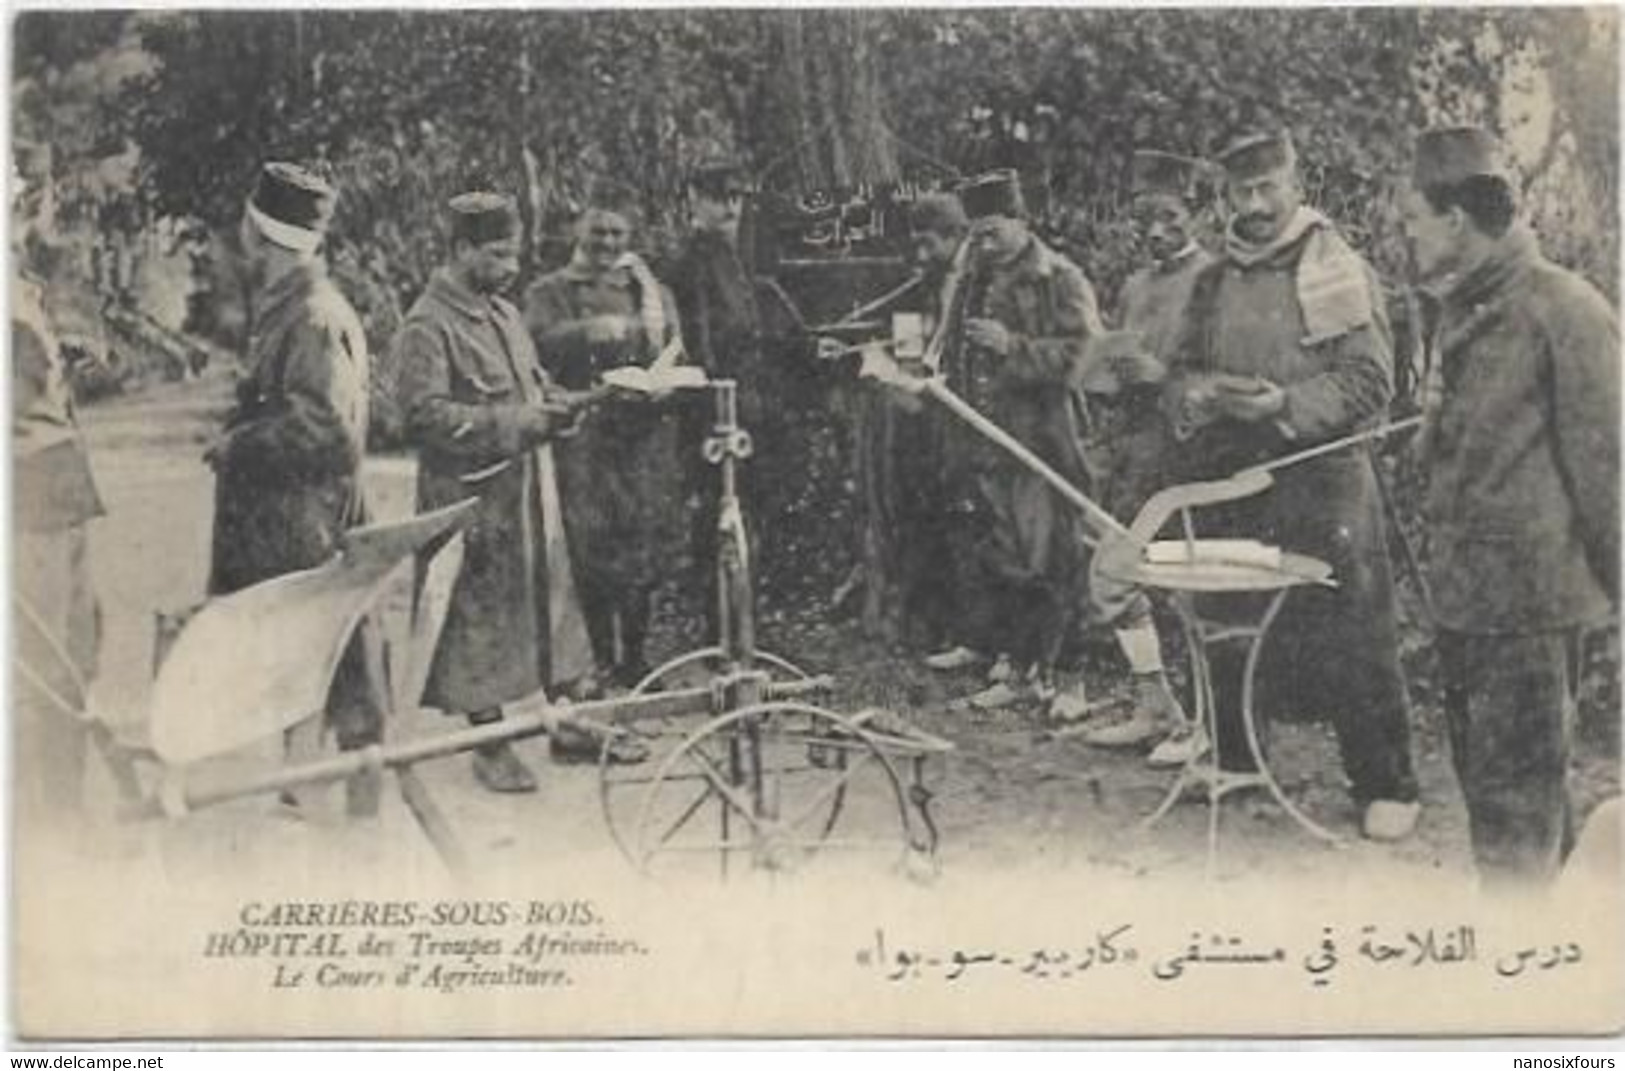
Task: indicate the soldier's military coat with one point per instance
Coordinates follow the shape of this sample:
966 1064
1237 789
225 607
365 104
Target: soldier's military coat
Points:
288 469
1012 528
1523 519
471 388
1318 330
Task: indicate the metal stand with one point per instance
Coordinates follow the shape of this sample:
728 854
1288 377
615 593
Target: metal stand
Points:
780 774
1183 582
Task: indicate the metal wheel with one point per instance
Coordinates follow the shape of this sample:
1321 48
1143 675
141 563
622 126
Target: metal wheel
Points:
620 788
765 788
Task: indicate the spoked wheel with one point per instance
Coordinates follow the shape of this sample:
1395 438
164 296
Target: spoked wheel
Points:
764 788
621 788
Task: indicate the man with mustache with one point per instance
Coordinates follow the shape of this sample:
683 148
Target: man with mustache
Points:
1286 345
483 414
620 476
1019 327
1523 497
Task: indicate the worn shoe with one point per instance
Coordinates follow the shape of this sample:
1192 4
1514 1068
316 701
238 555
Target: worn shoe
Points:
1186 744
1071 705
955 658
1156 715
1391 819
569 746
998 696
1137 729
500 770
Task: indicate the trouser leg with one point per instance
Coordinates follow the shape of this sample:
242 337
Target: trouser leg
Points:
598 608
1509 702
635 603
1374 738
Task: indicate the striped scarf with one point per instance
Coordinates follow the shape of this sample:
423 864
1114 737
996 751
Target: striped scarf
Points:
1334 290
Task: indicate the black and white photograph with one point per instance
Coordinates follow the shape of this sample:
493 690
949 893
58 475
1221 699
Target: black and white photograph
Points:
692 522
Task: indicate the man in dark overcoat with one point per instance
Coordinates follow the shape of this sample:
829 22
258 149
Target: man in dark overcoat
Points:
1017 336
288 465
483 414
620 475
1287 346
1523 502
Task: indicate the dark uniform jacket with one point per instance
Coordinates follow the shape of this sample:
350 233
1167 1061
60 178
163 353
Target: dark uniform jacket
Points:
471 388
1035 393
1523 505
287 469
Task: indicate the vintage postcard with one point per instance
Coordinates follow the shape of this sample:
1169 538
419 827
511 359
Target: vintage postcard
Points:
884 522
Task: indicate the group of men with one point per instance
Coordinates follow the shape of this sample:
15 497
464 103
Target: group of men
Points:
1274 342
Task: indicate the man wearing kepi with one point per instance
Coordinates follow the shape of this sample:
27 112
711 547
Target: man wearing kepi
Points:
483 414
1523 502
620 475
288 465
1286 345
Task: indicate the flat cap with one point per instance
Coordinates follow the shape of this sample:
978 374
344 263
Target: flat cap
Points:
482 216
1256 152
1154 171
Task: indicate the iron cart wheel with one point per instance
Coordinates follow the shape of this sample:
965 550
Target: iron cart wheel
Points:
763 787
620 787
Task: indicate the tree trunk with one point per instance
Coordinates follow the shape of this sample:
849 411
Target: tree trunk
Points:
835 137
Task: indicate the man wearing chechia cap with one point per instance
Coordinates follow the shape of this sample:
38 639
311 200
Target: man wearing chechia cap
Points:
288 466
482 413
1286 345
1523 500
1017 329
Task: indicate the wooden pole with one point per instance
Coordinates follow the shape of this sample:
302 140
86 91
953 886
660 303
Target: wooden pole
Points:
1102 522
517 724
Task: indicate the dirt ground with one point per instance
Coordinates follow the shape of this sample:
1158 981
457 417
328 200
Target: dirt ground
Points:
1005 796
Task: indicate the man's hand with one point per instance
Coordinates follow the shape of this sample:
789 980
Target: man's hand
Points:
603 329
830 348
1267 402
989 335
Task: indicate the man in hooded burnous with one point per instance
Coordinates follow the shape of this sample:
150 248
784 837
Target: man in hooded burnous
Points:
620 475
484 414
1286 345
288 466
1523 497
